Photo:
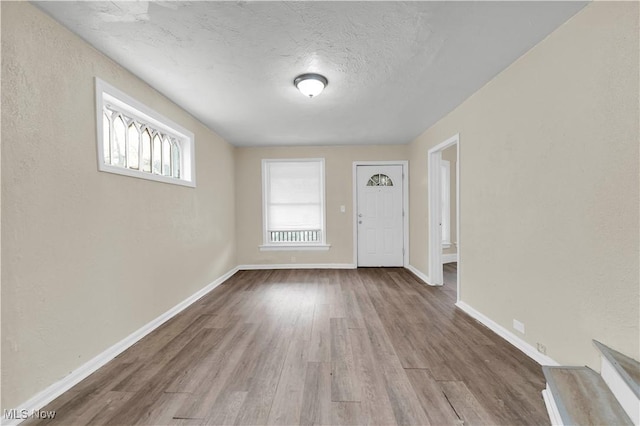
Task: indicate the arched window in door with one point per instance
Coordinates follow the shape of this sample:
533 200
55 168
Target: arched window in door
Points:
380 180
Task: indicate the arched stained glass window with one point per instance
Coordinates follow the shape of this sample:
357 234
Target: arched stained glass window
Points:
118 144
380 179
146 151
175 158
133 154
134 140
156 155
166 156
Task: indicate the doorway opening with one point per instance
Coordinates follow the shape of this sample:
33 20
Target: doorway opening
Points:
444 214
380 213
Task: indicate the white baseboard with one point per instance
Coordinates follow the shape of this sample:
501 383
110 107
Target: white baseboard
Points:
620 389
298 266
552 408
47 395
418 273
516 341
451 257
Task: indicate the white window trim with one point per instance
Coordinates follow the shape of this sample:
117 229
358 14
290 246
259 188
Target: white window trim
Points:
295 247
289 246
108 93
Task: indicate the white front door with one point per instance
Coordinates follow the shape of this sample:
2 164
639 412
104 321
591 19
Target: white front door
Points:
379 211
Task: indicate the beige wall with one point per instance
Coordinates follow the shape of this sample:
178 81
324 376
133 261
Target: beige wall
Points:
450 154
89 257
338 191
549 189
549 199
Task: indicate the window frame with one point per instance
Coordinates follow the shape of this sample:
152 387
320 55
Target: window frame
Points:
106 93
291 245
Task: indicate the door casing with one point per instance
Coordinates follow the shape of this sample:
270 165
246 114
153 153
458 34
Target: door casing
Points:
405 205
434 159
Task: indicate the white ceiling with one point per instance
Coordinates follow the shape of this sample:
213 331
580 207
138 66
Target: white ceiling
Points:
394 68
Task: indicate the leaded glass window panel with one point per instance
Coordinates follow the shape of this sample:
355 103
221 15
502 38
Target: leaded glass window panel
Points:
133 153
175 158
146 151
118 144
156 155
134 140
380 180
166 157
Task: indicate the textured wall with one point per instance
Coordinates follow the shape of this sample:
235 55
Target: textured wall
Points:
549 189
338 191
89 257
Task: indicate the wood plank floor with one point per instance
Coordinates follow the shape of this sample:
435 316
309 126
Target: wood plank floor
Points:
323 347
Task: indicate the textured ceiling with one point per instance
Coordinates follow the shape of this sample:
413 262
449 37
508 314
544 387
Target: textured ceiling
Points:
394 68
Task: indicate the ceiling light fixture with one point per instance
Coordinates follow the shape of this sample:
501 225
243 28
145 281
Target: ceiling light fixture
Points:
310 84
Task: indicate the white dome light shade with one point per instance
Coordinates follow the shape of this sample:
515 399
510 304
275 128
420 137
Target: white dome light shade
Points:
310 87
310 84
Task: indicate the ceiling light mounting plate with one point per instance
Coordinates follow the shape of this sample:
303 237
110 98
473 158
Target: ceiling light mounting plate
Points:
310 84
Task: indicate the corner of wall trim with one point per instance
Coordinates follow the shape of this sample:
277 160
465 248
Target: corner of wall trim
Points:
516 341
415 271
47 395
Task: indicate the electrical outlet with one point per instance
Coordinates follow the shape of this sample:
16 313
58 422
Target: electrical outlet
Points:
541 348
518 326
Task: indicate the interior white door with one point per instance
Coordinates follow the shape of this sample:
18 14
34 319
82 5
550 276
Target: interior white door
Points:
379 210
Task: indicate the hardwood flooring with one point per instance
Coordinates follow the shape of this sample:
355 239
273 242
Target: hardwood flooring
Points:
450 278
322 347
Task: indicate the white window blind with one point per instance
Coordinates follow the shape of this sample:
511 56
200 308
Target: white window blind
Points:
294 201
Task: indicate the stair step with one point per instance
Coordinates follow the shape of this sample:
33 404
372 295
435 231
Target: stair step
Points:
627 368
583 398
622 375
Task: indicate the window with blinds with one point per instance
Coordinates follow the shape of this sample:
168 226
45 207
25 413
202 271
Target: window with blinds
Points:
293 197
